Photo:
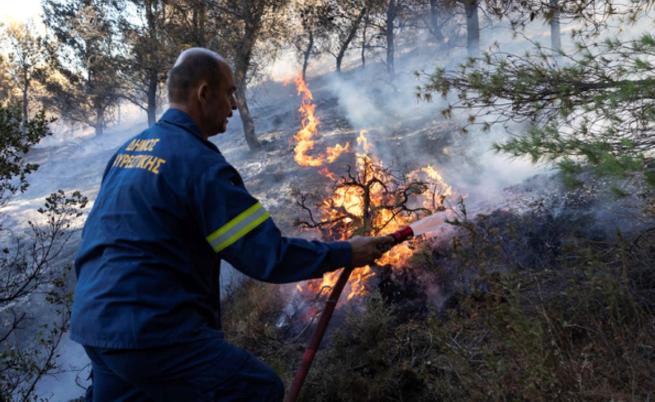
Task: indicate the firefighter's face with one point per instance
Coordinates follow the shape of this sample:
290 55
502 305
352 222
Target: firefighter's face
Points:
219 102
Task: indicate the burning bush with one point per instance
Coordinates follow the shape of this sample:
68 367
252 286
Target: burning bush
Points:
372 201
368 199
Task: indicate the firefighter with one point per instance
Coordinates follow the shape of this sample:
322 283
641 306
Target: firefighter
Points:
170 208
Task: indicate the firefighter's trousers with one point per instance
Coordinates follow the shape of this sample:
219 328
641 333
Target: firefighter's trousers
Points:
204 370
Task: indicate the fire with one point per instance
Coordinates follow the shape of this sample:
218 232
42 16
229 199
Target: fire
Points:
438 192
358 281
309 128
333 153
324 171
368 200
362 141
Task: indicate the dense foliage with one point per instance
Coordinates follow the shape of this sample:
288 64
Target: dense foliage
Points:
14 144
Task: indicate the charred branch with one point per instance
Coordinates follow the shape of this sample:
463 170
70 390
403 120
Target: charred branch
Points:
367 200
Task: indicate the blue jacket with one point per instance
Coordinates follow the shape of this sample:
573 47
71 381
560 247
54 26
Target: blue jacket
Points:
170 207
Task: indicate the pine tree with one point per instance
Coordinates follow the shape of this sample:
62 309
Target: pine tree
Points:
26 60
151 51
316 23
593 106
6 82
348 17
84 55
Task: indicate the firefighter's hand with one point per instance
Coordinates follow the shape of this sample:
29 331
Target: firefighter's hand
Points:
367 249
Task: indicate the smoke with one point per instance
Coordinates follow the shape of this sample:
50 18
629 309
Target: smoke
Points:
357 103
284 68
72 158
408 132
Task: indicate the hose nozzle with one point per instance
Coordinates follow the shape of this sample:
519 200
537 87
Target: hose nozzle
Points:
403 234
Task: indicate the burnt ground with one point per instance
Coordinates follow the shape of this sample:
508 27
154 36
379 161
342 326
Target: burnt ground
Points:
547 297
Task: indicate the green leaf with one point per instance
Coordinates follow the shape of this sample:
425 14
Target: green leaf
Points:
650 178
619 192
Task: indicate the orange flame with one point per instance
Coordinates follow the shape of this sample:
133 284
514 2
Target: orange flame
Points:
362 141
438 191
345 207
309 128
351 200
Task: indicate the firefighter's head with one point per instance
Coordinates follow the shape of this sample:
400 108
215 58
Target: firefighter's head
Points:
201 84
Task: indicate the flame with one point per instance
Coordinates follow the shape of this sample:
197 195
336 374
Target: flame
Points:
324 171
362 141
309 128
358 280
345 208
333 153
349 201
439 189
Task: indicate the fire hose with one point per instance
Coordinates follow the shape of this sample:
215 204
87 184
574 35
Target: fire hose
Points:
310 352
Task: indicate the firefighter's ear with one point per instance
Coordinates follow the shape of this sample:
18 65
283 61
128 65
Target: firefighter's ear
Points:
202 92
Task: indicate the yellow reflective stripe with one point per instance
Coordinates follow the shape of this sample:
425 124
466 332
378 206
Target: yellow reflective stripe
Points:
237 227
243 215
244 231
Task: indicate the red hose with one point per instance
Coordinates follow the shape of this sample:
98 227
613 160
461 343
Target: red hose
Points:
307 359
315 342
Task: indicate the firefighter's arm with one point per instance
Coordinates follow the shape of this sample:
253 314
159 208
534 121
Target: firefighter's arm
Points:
240 230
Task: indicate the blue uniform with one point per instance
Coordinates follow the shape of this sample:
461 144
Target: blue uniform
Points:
170 207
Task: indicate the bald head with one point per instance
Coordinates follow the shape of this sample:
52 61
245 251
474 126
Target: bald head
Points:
201 84
191 68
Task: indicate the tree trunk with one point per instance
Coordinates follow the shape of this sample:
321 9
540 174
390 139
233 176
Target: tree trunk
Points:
152 76
555 35
364 40
351 34
392 11
100 121
246 118
242 64
435 29
152 97
198 20
307 54
339 60
26 109
472 27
